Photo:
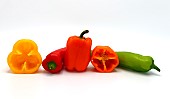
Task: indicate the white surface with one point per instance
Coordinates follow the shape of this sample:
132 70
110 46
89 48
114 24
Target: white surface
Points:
140 26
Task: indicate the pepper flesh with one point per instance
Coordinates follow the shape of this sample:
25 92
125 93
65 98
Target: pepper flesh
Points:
104 59
53 62
24 57
77 56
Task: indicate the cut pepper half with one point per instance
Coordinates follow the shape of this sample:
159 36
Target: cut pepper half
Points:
104 59
24 57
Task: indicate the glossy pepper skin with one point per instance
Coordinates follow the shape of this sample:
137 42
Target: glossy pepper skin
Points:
77 56
24 58
53 63
136 62
104 59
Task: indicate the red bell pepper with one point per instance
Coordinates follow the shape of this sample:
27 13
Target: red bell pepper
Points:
77 56
53 62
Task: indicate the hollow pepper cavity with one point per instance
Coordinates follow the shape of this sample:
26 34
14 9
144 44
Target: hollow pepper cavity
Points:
24 57
77 56
104 59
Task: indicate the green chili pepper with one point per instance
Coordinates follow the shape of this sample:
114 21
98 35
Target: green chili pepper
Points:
136 62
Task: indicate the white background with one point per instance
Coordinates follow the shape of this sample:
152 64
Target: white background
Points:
140 26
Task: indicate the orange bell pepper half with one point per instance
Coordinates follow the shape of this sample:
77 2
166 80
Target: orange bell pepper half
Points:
77 56
104 59
24 57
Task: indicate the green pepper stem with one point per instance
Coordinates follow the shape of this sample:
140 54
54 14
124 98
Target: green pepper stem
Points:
84 32
155 67
51 65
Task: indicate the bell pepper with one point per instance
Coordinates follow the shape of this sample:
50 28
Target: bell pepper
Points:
104 59
53 63
77 56
24 57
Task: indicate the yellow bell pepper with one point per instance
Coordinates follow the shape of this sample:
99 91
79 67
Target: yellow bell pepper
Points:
24 58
